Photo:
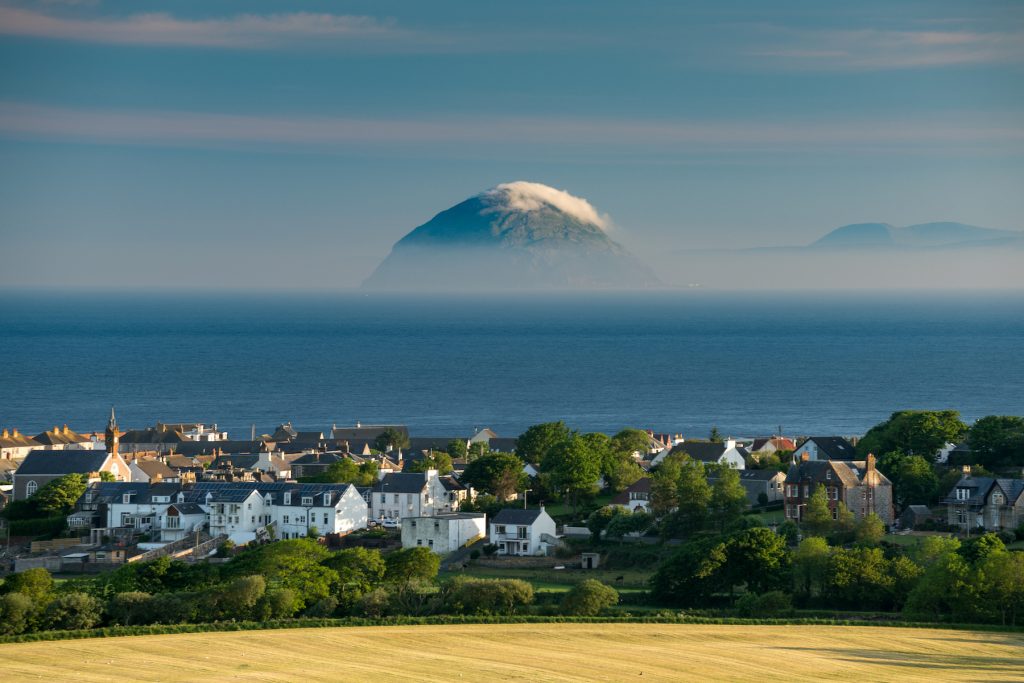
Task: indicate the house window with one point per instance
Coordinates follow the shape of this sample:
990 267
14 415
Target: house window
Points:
997 499
419 541
828 475
288 498
522 531
126 519
307 500
413 524
501 528
31 488
325 519
327 499
285 519
835 513
431 543
962 494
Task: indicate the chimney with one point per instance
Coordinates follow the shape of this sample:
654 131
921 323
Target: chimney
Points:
871 462
967 470
17 433
66 430
6 434
730 443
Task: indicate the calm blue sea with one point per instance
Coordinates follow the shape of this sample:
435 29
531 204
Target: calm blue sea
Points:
835 363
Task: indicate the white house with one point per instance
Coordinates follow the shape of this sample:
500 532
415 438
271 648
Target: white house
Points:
636 497
327 508
410 494
181 519
444 533
726 452
523 532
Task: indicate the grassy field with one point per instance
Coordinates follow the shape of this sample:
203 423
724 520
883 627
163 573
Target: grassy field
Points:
562 579
530 652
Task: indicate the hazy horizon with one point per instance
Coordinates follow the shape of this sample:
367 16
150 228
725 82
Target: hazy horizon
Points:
197 145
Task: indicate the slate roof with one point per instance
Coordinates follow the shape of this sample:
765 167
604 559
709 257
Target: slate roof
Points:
980 487
758 475
151 435
401 482
155 468
503 444
705 451
11 439
833 447
451 484
58 436
849 472
188 508
62 462
516 516
245 461
436 443
318 459
230 446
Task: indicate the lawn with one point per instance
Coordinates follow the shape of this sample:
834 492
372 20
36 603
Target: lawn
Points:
530 652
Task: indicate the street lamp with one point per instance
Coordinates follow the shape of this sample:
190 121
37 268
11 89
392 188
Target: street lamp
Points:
525 491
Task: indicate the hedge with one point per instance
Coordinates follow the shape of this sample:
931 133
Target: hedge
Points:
663 618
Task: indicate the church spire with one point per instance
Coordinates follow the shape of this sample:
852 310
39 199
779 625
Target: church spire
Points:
111 436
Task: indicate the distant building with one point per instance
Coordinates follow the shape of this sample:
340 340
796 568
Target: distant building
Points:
43 466
727 452
58 439
857 484
409 494
443 533
771 445
755 482
636 497
523 532
826 448
14 445
985 503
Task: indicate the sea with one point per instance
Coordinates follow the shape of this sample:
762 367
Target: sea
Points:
753 363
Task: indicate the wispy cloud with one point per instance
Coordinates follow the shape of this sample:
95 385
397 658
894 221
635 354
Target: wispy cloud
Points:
218 130
244 31
877 49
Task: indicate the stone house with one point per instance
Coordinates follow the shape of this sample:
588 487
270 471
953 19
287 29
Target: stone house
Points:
857 484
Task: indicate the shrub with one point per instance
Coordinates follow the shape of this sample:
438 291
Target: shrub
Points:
588 598
238 599
475 555
325 607
1007 537
490 549
36 583
71 611
487 596
130 608
15 613
225 548
770 604
278 603
174 608
375 603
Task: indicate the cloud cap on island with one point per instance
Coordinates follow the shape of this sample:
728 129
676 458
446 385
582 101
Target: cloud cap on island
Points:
523 195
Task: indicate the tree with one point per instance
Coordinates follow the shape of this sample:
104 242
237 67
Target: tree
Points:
998 441
599 520
58 497
945 589
627 522
1001 584
457 449
391 439
72 611
294 564
810 566
36 584
477 449
344 471
914 482
618 467
691 575
817 518
665 486
411 564
574 466
589 598
859 578
16 610
728 497
130 608
466 595
931 549
238 599
694 494
869 530
715 436
975 550
918 432
107 476
533 445
500 474
359 570
758 558
434 460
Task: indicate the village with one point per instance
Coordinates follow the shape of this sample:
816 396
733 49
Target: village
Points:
550 506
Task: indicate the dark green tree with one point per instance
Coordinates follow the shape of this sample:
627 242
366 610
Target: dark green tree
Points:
411 564
59 496
588 598
998 441
457 449
817 518
391 438
574 467
533 445
918 432
728 497
500 474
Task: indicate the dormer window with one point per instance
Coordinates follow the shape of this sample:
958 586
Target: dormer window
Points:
307 500
288 498
997 498
963 494
828 475
327 499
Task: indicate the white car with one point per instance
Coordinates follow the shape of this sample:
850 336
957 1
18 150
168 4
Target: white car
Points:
389 523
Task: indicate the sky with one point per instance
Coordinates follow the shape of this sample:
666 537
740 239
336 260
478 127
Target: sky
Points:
288 145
